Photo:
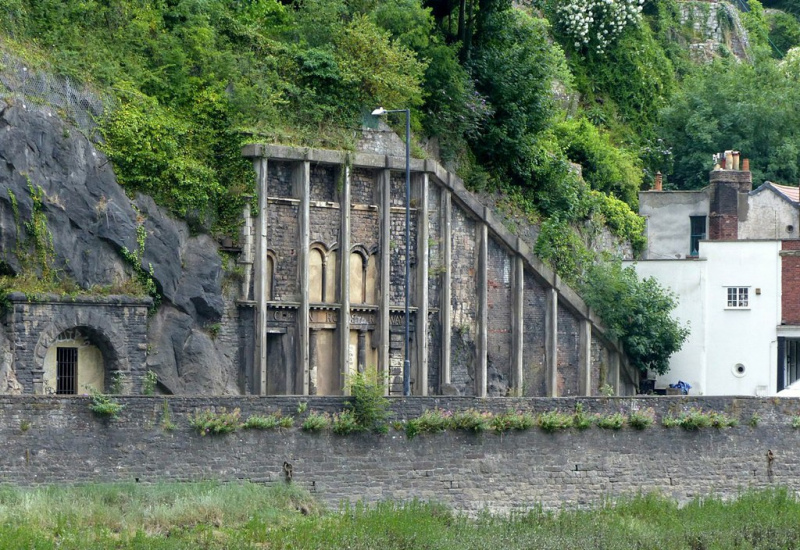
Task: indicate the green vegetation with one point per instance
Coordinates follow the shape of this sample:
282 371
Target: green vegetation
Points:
367 408
104 405
211 422
269 422
637 312
316 422
513 95
694 419
243 515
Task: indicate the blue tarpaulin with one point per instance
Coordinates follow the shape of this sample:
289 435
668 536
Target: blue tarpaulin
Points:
681 385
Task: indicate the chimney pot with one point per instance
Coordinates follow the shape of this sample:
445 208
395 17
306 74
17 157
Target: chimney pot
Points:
659 181
746 165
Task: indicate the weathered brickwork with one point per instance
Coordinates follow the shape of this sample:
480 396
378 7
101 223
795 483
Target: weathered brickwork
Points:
282 239
599 365
434 353
365 230
279 179
363 186
500 311
436 265
790 279
533 339
568 350
295 345
398 189
325 225
464 302
323 183
48 440
116 325
397 252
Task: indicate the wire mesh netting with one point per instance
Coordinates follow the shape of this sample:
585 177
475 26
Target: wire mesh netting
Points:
75 102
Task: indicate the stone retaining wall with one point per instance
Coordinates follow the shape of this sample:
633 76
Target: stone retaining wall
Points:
58 440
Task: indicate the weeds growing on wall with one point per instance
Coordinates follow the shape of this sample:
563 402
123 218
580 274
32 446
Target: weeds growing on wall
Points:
104 405
211 422
269 422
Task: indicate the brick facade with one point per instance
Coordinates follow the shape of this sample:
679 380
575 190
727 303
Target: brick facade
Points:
790 278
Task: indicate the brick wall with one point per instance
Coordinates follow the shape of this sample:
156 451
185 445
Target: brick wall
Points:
500 302
568 353
283 239
790 280
58 440
279 179
533 320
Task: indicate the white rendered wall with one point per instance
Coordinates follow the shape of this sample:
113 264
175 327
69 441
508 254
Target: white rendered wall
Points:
767 216
686 278
668 225
745 336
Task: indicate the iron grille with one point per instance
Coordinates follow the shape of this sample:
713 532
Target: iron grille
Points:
66 371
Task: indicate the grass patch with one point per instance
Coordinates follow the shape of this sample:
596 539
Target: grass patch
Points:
249 516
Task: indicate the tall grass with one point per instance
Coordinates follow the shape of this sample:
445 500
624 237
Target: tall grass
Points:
214 515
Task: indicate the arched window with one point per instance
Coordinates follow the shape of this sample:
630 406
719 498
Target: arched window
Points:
357 278
270 275
330 277
316 274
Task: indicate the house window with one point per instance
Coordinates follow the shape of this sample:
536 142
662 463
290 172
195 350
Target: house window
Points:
66 371
738 297
698 233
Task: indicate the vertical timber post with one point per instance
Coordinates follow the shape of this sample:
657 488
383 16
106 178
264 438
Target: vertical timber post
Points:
260 378
517 327
551 342
302 190
421 295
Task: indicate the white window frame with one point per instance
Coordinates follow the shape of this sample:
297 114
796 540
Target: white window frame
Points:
737 297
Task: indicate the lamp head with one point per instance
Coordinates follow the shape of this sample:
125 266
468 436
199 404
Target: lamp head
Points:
379 111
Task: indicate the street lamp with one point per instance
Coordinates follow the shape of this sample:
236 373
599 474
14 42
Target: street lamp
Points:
406 363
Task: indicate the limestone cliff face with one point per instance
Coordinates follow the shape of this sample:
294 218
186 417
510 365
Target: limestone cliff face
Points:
91 219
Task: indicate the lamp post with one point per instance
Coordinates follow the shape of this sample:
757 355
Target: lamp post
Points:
406 363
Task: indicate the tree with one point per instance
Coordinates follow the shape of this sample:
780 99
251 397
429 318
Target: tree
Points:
638 312
732 105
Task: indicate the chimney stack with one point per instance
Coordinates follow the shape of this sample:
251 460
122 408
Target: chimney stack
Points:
726 186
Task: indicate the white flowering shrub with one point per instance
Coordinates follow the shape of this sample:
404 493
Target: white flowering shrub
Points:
595 24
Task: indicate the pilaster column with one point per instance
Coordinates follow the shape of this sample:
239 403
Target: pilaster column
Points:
585 357
302 190
421 295
344 279
482 347
261 291
446 308
517 326
385 181
551 343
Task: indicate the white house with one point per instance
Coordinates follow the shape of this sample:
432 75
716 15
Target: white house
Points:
732 257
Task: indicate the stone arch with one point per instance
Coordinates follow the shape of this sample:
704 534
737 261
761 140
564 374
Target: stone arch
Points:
322 272
105 333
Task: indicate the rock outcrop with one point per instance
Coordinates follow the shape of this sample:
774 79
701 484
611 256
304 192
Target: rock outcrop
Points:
91 220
